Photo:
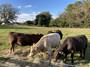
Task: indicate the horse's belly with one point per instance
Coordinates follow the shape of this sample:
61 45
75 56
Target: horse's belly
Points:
23 43
54 44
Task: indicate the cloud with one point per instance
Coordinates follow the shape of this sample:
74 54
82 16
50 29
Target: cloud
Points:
26 16
54 16
19 6
28 6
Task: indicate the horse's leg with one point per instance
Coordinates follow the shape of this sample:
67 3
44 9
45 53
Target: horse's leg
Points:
84 52
81 54
49 52
48 47
65 57
11 47
72 55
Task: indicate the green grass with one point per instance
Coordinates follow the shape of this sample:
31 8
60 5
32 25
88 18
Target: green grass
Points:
4 30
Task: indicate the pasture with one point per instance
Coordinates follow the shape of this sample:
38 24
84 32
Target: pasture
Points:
4 30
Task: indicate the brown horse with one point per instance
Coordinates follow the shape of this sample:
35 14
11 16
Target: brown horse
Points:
71 45
22 39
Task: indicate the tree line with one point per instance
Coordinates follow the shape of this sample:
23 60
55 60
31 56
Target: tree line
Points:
75 15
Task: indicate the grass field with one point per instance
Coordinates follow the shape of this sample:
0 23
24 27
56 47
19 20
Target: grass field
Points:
4 30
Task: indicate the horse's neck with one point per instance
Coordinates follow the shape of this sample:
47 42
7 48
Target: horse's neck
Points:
62 47
40 45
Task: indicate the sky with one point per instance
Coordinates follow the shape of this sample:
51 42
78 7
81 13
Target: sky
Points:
28 9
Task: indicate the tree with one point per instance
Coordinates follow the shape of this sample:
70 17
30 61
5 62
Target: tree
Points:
28 22
73 14
86 13
43 19
76 15
59 21
8 13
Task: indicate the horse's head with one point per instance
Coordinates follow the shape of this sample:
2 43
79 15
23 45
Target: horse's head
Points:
60 33
57 55
33 50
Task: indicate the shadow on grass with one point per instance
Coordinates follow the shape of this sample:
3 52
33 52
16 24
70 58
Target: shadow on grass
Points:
13 27
23 63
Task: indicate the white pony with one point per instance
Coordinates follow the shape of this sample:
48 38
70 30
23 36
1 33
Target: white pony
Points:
46 42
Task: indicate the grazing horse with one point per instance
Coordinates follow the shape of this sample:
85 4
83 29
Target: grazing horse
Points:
46 42
22 39
56 31
71 45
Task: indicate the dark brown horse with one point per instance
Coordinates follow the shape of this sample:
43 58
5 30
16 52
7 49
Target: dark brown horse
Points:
56 31
22 39
71 45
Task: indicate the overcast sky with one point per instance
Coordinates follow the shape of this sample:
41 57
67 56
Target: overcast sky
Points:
30 8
